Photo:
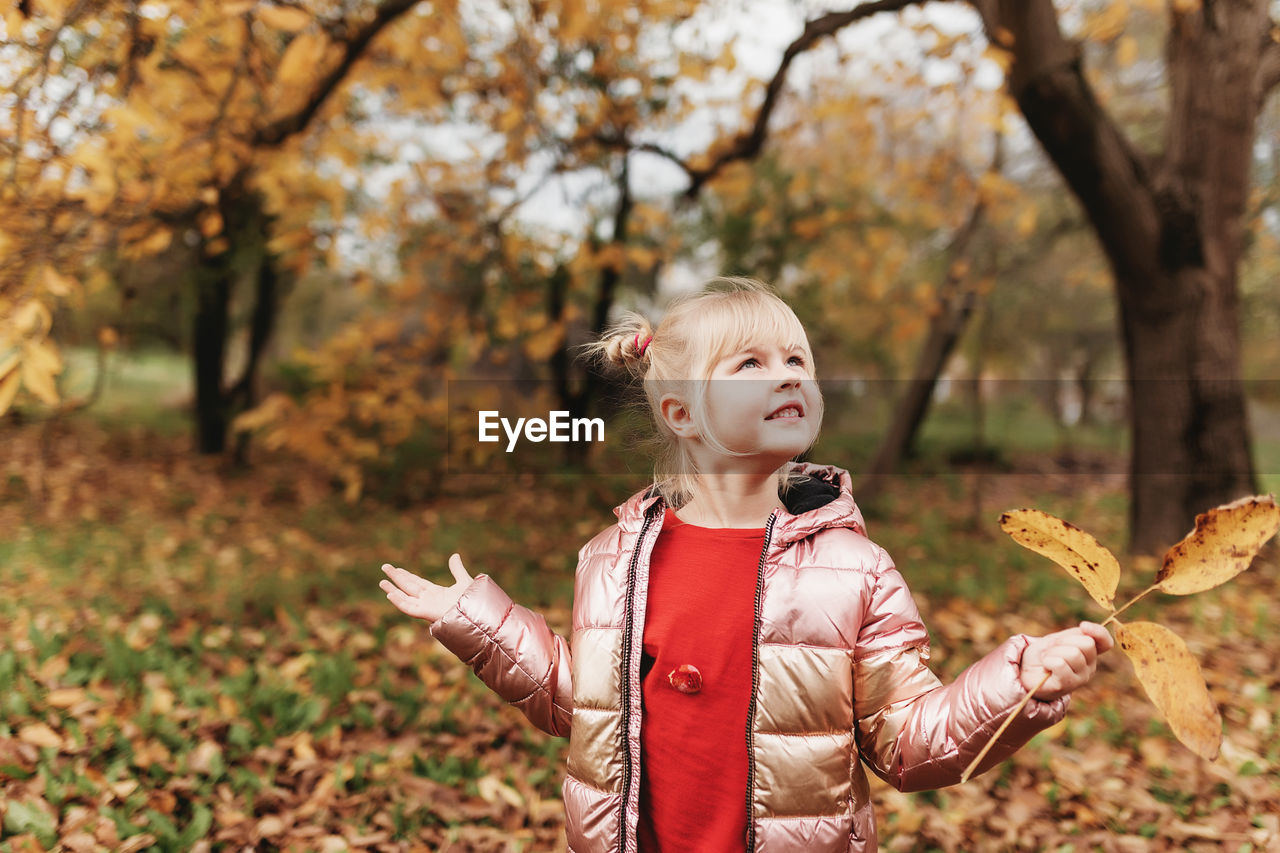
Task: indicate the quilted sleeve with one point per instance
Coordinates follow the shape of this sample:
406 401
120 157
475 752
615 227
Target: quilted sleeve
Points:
914 732
513 651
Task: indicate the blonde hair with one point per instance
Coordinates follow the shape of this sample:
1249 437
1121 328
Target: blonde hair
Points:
697 331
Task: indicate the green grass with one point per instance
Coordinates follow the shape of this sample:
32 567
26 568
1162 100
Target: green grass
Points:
148 389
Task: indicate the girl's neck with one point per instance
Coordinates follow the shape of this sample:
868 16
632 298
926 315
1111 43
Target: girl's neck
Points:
732 500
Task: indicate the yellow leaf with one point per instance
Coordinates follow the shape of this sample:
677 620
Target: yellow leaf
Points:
32 319
1222 545
9 365
296 667
283 18
201 759
39 734
66 697
160 701
210 223
39 382
1171 676
1070 547
492 789
56 283
157 242
9 389
300 60
44 356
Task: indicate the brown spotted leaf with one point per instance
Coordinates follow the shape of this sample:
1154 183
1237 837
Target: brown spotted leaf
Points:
1171 676
1223 544
1070 547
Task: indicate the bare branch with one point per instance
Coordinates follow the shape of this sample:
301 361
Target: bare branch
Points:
619 141
137 45
278 131
747 145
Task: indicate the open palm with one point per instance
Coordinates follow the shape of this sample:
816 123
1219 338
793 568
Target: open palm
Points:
420 597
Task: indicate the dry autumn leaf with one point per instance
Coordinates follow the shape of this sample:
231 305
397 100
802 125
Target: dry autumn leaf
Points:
1070 547
1222 545
39 734
1171 676
9 390
284 18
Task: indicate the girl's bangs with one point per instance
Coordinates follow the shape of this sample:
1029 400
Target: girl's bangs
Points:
733 325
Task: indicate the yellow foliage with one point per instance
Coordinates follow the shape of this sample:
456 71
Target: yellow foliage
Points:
285 18
612 256
31 319
9 383
157 241
1126 51
542 344
210 222
39 381
300 63
56 283
43 356
809 228
1108 22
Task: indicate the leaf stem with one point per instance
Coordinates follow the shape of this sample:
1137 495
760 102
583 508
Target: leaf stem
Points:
968 771
1130 603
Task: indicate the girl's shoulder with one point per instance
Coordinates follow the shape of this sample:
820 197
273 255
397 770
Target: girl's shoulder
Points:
844 548
607 543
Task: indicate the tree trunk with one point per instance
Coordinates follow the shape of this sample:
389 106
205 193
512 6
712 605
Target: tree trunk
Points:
1187 409
1171 229
213 303
955 306
217 401
578 403
266 306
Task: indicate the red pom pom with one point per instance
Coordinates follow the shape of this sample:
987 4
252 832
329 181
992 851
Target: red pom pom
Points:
685 678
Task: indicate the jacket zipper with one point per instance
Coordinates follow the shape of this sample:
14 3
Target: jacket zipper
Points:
755 684
629 626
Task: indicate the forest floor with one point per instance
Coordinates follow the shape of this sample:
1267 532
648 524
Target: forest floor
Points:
199 658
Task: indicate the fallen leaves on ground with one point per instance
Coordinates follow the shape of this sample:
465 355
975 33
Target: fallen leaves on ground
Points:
190 660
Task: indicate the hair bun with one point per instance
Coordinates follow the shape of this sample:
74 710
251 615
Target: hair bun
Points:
625 346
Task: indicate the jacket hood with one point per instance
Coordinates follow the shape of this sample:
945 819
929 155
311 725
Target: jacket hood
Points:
824 499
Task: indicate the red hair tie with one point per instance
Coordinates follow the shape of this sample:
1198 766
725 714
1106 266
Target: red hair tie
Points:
641 347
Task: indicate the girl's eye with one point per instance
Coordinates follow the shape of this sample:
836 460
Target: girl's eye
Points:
796 358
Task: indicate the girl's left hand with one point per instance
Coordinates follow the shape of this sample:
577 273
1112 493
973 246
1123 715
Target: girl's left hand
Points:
1070 656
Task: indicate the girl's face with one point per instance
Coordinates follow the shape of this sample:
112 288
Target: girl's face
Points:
762 400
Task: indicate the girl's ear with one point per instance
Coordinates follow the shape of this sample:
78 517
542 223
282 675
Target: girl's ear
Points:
677 416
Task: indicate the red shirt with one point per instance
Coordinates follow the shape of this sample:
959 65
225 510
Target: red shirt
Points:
693 759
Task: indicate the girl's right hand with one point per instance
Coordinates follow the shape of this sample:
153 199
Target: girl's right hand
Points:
419 597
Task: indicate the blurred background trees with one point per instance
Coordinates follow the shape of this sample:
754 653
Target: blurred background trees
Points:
333 209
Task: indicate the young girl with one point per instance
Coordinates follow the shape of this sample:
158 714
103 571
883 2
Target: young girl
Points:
739 645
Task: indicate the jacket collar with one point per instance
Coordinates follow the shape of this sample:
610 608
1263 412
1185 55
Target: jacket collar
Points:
823 500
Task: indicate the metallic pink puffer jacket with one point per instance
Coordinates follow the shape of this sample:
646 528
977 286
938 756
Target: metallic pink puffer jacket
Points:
838 675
